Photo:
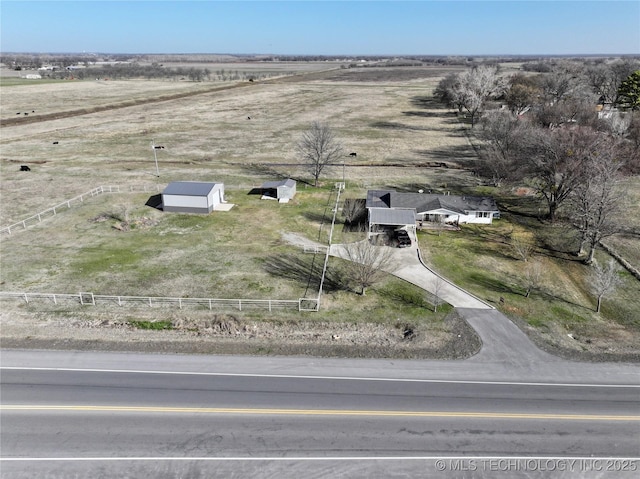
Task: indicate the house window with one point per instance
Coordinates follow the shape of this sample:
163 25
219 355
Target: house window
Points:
483 214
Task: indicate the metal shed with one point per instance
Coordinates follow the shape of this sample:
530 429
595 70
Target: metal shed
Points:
283 190
192 197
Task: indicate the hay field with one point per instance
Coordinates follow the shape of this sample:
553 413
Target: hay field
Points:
209 136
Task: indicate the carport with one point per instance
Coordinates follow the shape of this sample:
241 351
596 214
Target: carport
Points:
381 220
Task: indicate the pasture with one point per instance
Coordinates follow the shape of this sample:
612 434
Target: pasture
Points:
241 135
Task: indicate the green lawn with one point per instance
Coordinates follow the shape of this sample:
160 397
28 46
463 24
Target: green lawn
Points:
482 260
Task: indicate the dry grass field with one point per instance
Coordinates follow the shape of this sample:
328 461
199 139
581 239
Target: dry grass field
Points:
240 135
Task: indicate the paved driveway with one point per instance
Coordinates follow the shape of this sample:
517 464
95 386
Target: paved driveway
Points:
407 265
502 340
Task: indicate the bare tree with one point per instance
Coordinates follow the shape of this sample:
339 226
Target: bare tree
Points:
475 87
354 210
556 162
576 108
446 91
319 149
502 133
522 246
604 82
604 281
558 84
438 286
368 263
533 276
522 93
597 201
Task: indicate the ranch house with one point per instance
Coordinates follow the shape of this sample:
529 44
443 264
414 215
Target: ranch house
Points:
390 208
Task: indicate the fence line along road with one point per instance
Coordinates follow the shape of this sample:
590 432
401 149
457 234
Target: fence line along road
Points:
78 200
86 298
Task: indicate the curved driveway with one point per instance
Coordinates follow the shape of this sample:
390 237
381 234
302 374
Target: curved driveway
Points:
502 341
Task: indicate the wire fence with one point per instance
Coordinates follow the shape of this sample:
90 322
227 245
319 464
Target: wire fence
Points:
84 298
90 299
97 191
76 201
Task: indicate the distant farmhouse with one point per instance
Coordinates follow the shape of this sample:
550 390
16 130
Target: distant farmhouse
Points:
283 190
388 208
193 197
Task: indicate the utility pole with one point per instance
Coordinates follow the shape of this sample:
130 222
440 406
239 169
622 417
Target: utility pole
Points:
155 156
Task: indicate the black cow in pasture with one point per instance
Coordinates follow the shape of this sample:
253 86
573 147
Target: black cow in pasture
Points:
55 142
353 154
24 168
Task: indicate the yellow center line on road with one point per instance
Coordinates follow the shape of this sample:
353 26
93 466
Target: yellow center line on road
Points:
320 412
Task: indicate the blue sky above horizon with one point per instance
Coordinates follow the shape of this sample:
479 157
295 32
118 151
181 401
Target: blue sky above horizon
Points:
453 27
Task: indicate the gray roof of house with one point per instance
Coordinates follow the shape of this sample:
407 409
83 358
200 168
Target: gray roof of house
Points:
386 216
188 188
429 202
275 184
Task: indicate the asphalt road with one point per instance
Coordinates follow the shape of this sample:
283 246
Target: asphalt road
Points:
133 415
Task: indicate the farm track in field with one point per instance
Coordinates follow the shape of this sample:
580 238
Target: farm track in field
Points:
24 120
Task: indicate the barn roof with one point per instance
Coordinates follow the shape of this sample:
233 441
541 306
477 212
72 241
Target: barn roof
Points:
275 184
189 188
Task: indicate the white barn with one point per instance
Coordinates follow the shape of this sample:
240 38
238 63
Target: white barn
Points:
192 197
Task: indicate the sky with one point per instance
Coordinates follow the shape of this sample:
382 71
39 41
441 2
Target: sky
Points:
366 27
